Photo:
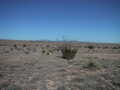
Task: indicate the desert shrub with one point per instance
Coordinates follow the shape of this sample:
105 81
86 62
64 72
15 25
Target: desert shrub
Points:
43 51
90 47
24 45
92 65
26 52
15 46
68 51
50 51
115 47
11 49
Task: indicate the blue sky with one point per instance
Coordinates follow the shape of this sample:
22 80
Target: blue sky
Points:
84 20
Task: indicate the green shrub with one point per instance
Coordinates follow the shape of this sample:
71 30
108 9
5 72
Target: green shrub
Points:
68 51
91 47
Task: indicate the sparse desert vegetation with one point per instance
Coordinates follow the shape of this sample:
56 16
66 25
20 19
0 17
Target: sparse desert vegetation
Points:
28 65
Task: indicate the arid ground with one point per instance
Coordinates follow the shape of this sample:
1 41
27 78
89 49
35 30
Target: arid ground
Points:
38 65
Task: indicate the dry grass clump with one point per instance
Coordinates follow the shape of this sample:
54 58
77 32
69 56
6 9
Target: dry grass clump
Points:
68 51
91 64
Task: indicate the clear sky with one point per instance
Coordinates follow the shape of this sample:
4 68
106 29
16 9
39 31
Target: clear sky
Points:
84 20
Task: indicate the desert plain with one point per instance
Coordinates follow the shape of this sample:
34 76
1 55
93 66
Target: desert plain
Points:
38 65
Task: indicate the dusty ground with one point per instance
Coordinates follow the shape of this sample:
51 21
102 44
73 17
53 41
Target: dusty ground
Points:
39 66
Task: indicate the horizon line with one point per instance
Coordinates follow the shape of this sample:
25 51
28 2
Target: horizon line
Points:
99 42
